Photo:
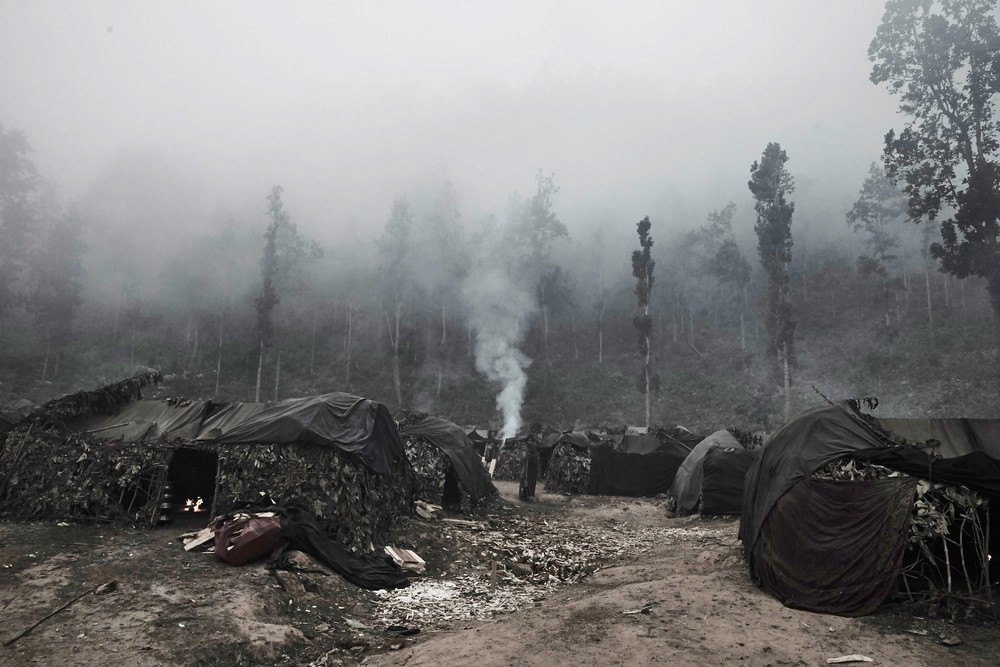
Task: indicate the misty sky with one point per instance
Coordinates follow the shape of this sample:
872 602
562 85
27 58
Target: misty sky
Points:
637 107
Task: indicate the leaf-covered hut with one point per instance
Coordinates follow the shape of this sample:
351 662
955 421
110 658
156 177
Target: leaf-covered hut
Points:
108 455
446 467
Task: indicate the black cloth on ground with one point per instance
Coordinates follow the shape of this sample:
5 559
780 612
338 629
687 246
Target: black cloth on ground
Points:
302 529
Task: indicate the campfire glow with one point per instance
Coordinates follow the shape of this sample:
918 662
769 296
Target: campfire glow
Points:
193 505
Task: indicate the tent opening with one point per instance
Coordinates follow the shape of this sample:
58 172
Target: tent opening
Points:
192 477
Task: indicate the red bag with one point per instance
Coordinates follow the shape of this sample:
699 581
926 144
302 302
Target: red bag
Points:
247 537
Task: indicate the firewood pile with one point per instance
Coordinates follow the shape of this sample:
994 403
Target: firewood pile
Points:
569 470
948 559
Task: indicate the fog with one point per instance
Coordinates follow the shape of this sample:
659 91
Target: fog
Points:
462 184
641 108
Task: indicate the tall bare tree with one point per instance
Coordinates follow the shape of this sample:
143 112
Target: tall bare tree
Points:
642 269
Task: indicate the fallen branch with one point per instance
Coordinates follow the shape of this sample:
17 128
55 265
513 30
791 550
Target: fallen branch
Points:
108 586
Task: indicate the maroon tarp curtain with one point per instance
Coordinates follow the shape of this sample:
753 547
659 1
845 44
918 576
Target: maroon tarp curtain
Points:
836 547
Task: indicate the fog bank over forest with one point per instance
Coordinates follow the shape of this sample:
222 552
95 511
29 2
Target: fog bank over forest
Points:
435 203
648 108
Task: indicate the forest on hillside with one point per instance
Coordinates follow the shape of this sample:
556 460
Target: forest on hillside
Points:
754 309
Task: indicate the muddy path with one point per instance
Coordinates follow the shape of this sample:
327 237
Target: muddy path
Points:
683 578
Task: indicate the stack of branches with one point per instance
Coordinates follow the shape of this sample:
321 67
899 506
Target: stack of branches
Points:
359 507
106 400
430 468
948 552
569 470
50 475
508 457
750 441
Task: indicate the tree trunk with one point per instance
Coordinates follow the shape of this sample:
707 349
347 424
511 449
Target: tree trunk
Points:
194 348
788 383
947 301
131 348
45 366
930 312
114 328
691 324
260 371
961 291
576 344
394 343
55 364
277 376
743 338
993 287
600 333
440 379
470 333
218 359
444 326
312 345
350 322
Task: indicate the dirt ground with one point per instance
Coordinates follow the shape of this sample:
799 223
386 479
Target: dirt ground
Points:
682 579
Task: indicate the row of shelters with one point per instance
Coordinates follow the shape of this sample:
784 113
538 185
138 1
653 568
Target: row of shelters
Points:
110 455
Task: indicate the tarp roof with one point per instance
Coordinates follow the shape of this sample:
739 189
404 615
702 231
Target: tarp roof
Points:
723 476
686 487
453 441
145 421
350 423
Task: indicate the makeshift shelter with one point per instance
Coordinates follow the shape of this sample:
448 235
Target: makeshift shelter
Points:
481 439
837 544
566 461
108 455
636 465
723 476
632 463
446 468
687 484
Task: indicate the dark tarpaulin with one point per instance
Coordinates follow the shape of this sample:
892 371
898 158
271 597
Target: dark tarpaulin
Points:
796 450
821 435
836 547
686 487
350 423
977 471
372 571
683 436
640 443
615 473
303 531
145 421
226 416
456 445
724 473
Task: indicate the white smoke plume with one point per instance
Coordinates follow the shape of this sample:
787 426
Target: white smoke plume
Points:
501 308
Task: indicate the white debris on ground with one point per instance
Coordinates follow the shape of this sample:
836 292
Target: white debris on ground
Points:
531 559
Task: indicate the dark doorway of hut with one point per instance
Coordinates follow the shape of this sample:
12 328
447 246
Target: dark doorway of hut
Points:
192 478
451 496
